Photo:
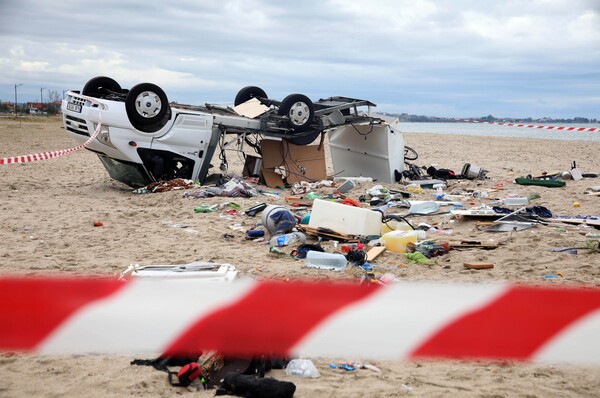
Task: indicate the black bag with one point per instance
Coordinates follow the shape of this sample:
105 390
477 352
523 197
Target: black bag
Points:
256 366
254 387
443 174
412 172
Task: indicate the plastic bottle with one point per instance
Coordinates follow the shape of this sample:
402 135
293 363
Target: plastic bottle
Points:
323 260
394 225
432 248
427 207
287 239
396 241
439 192
414 188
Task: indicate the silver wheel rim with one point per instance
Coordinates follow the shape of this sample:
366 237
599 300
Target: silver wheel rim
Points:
148 104
299 113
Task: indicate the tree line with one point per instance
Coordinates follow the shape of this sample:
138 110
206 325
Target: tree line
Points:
405 117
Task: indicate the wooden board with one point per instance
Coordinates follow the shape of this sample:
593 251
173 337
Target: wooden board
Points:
478 265
329 235
375 252
251 108
299 201
471 245
484 223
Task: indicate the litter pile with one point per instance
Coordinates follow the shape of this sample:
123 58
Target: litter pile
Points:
353 227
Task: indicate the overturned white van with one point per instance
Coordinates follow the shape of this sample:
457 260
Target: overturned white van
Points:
143 138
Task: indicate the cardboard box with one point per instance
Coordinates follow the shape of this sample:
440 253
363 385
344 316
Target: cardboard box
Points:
292 163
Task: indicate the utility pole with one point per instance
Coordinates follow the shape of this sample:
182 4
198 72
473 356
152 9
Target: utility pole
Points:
41 100
16 85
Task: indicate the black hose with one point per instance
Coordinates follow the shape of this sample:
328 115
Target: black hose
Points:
388 217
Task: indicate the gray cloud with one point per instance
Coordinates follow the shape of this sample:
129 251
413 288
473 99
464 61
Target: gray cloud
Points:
461 58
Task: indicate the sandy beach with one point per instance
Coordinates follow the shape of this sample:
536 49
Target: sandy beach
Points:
48 209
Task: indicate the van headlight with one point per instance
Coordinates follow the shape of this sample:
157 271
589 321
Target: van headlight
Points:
103 135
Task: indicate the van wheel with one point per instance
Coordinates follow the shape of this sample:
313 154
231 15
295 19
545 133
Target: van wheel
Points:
247 93
99 86
300 111
147 107
303 138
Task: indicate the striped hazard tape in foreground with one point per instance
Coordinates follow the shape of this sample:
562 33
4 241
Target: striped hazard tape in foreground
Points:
404 320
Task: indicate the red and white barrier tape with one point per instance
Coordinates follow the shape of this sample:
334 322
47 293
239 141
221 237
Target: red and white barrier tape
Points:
54 154
535 126
246 318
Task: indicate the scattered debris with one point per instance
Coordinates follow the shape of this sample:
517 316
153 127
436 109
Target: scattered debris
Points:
232 188
592 246
540 182
478 265
472 245
205 271
165 186
303 368
473 172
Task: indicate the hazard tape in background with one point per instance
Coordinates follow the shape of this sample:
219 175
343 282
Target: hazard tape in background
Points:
247 318
54 154
535 126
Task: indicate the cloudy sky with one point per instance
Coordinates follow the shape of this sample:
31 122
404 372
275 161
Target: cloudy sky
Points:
462 58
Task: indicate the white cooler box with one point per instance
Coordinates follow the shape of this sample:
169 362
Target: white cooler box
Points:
344 219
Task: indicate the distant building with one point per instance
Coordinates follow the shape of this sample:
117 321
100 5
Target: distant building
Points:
7 107
35 108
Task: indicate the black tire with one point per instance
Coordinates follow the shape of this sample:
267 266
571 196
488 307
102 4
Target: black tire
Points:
410 154
300 111
147 107
247 93
303 138
100 85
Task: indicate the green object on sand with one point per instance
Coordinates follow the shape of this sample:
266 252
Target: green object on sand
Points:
205 209
419 258
541 183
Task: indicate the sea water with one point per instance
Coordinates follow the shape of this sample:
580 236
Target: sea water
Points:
491 130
